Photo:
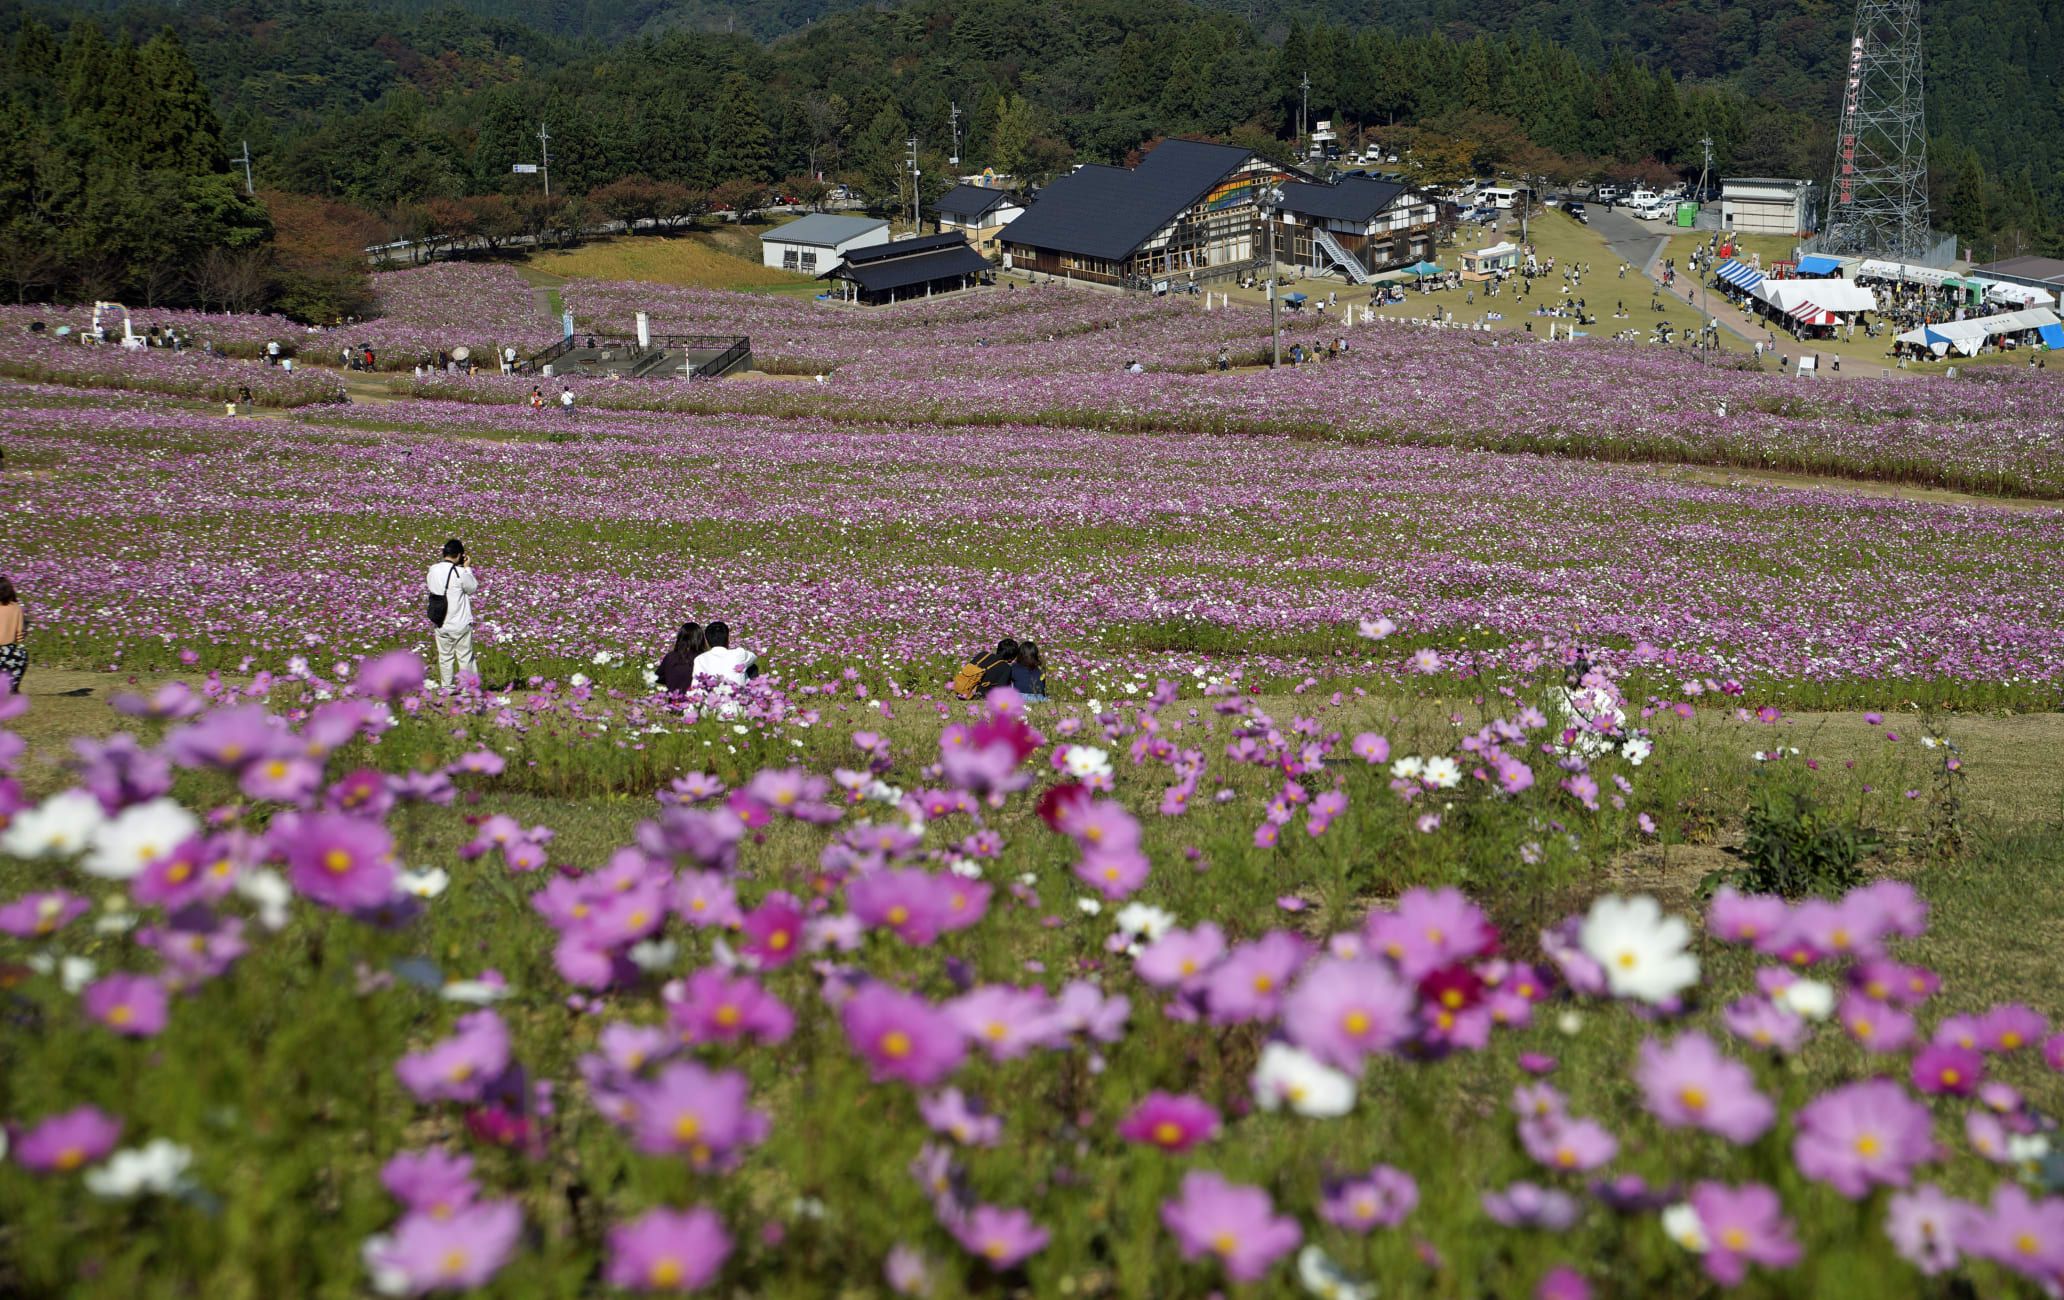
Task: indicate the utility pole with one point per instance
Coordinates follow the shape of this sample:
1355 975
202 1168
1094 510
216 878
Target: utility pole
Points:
911 159
1304 112
1270 198
245 159
545 157
953 112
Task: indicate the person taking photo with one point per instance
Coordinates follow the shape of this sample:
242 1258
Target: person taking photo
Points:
451 585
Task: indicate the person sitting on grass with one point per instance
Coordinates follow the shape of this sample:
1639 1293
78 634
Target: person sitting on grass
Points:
676 669
721 661
1028 676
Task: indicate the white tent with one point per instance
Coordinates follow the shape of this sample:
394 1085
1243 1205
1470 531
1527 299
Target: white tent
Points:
1817 302
1902 271
2026 295
1966 336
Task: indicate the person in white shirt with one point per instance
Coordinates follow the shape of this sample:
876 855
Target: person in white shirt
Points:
721 661
452 579
566 399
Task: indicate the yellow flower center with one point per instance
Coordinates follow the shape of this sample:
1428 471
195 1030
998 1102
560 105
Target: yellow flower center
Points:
727 1015
2025 1243
1168 1133
895 1044
1355 1022
454 1260
1223 1243
1626 960
1095 835
119 1015
1263 984
1734 1239
1867 1145
337 861
1566 1158
1692 1098
898 914
686 1127
2010 1040
666 1272
995 1249
1451 999
276 769
778 940
70 1158
1950 1078
996 1030
639 918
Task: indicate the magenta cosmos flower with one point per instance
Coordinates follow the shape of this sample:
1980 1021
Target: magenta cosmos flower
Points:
694 1111
461 1067
134 1005
430 1182
1173 1123
1249 984
1926 1225
1006 1021
910 904
398 672
1430 929
456 1252
65 1142
1002 1237
1341 1011
1529 1205
902 1037
32 916
1233 1221
2019 1233
1745 918
1571 1145
773 931
337 860
667 1250
1862 1134
1380 1198
717 1006
1876 1026
1181 958
2010 1027
1743 1225
1954 1070
1690 1083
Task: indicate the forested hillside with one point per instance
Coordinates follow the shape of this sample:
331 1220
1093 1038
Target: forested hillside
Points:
385 113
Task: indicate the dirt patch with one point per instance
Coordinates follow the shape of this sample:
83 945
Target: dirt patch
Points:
1671 872
1859 487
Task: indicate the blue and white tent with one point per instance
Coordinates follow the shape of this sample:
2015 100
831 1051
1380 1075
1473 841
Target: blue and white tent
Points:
1741 275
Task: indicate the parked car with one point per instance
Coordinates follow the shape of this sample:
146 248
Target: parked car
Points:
1576 210
1654 210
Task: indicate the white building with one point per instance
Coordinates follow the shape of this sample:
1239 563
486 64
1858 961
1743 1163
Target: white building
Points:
1756 205
819 243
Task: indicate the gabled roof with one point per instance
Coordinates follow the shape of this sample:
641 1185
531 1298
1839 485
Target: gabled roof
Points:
972 200
2028 268
823 230
1108 212
1353 198
911 261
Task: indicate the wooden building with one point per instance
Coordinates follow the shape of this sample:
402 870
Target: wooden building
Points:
1356 225
909 268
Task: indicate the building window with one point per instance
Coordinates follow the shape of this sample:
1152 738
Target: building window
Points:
810 260
788 259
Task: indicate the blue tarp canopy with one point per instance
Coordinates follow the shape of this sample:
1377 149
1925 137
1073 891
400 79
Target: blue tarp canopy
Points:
1741 275
1424 268
1293 297
2052 335
1933 337
1818 265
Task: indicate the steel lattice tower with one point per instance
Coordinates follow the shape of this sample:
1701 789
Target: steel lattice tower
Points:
1878 202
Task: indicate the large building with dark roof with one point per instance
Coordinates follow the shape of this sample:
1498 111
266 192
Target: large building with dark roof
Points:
1187 208
1355 225
909 268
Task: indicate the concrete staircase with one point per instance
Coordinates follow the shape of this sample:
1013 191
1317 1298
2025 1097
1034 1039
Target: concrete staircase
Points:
1347 261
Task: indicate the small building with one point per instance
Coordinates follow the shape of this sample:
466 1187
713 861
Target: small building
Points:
909 268
1755 205
977 212
1487 263
1357 224
1187 209
818 243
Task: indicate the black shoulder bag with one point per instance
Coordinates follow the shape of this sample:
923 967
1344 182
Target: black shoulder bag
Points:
437 606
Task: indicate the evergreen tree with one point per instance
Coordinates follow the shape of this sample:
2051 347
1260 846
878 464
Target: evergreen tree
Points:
175 125
739 144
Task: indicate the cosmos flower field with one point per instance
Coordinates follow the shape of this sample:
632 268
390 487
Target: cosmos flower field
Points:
1290 948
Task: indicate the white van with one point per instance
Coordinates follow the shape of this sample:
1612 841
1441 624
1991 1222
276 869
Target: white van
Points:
1654 210
1499 196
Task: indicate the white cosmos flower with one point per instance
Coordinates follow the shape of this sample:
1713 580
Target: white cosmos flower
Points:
1377 628
386 1278
579 679
1641 950
158 1167
1145 920
122 848
965 868
269 894
1327 1280
1426 660
2027 1148
1089 906
1809 999
477 993
75 973
1288 1076
424 884
651 677
654 954
1637 749
61 825
1095 706
1084 761
1443 772
1408 768
1683 1225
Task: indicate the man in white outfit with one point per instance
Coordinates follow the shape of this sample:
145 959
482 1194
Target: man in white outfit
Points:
452 579
721 661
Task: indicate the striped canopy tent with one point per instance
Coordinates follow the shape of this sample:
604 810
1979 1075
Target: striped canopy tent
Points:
1816 302
1741 275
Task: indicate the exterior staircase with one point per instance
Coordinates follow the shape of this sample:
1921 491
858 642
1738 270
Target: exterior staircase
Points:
1347 261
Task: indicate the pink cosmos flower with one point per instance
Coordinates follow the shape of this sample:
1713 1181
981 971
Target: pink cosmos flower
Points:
706 898
462 1067
1173 1123
1233 1221
2018 1232
1889 981
1563 1283
1181 958
1988 1136
773 931
1691 1083
1341 1011
1902 908
717 1006
1876 1026
398 672
1954 1070
457 1252
1006 1021
1370 747
1745 918
1116 873
336 860
132 1005
34 916
694 1111
902 1037
1528 1205
2053 1052
1380 1198
667 1250
1862 1134
1571 1145
226 738
1764 1023
1430 929
63 1143
2010 1027
906 1271
954 1115
1743 1225
1926 1225
1002 1237
1249 984
1082 1008
436 1183
282 778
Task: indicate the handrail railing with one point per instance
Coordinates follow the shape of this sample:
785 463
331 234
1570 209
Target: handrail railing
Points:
730 348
